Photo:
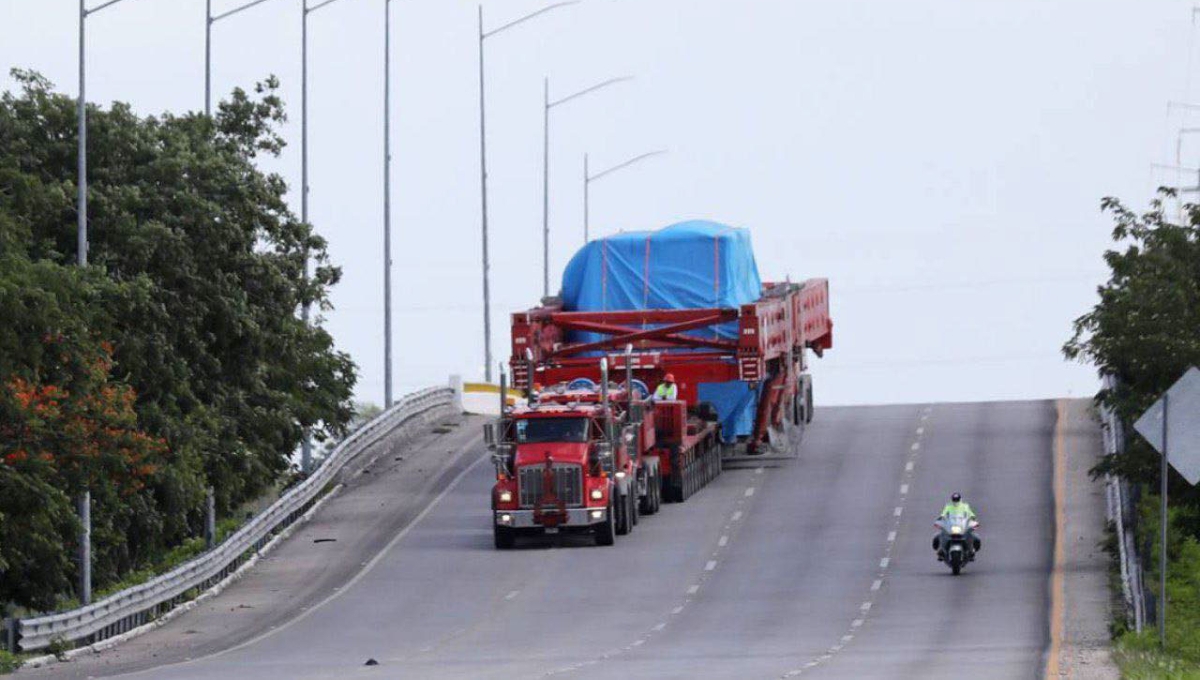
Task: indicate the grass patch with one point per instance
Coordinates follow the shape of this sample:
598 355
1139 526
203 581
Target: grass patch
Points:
1139 654
10 662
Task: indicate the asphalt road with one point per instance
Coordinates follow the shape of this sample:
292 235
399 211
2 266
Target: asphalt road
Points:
815 567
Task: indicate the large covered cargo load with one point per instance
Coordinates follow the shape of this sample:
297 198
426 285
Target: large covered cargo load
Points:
689 301
689 265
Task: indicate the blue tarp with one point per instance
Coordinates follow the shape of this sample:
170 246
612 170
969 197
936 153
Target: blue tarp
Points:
690 265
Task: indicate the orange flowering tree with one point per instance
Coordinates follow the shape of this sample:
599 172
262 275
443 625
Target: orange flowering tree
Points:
66 425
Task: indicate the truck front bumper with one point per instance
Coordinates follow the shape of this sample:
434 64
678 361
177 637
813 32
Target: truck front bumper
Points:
576 517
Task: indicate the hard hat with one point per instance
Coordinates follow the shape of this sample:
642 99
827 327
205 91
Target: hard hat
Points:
537 387
956 496
668 378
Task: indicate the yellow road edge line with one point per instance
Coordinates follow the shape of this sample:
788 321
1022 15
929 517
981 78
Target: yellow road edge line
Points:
1057 595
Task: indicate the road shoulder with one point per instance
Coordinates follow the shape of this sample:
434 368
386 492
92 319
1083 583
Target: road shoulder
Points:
1083 648
386 488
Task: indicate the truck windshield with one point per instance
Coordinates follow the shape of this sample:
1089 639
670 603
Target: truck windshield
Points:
543 430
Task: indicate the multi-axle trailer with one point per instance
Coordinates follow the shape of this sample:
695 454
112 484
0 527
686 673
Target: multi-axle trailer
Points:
590 454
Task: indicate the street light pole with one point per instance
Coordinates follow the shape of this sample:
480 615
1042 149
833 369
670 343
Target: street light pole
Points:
387 205
81 259
208 24
487 302
588 179
546 107
305 10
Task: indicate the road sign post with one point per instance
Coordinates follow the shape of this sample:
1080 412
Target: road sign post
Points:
1182 453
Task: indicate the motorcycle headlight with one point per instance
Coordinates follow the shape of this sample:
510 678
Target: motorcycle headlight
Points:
956 530
506 496
597 494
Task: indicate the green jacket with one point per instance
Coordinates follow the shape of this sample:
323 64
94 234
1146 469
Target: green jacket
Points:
666 391
959 508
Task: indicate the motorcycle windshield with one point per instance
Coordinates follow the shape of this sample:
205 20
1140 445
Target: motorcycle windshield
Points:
956 524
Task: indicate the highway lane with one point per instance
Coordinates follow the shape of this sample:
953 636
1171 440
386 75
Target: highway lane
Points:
769 571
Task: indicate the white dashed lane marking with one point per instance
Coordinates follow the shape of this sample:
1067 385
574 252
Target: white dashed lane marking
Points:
883 564
891 537
877 584
693 590
712 564
724 541
749 492
736 516
512 594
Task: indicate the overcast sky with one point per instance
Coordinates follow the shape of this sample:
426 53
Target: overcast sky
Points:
941 162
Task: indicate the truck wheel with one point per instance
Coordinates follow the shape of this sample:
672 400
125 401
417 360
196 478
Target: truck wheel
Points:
606 533
633 511
504 537
623 526
808 404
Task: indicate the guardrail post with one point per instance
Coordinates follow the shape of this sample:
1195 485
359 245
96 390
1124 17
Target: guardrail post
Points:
210 519
10 635
85 548
456 384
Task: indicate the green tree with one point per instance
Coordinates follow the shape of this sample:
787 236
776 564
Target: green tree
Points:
1145 329
188 311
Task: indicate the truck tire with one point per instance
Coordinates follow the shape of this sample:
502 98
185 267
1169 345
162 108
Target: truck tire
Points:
635 509
606 533
653 490
808 403
623 523
504 537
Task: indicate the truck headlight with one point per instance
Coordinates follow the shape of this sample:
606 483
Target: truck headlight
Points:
597 514
506 496
597 494
506 519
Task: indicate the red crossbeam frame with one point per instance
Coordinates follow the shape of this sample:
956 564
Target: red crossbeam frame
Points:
622 335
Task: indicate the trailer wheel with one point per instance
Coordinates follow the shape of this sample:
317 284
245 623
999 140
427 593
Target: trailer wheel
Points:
646 503
504 537
606 533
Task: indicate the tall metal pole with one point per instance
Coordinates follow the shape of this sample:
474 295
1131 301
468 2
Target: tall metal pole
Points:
81 201
587 182
387 205
1162 557
546 188
81 255
306 444
208 22
487 303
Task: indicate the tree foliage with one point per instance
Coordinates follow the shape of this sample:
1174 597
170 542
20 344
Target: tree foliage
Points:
176 359
1145 330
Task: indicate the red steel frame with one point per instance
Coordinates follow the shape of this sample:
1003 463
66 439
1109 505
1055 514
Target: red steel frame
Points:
773 333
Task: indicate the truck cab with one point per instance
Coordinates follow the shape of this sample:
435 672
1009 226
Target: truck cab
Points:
570 461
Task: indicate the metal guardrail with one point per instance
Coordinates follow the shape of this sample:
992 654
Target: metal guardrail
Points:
1120 507
136 606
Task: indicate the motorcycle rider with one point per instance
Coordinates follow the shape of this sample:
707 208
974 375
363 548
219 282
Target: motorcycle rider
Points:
956 506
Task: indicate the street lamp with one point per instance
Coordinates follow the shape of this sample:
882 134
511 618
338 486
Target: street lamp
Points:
547 105
387 204
81 258
589 178
487 302
306 444
209 20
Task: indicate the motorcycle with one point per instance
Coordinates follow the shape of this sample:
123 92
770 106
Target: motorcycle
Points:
956 540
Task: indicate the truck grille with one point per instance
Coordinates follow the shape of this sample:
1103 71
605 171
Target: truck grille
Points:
568 484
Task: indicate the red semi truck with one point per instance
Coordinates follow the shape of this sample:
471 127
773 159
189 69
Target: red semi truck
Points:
590 454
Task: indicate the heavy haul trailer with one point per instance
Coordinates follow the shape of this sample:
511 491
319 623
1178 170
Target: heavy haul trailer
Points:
588 457
768 356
